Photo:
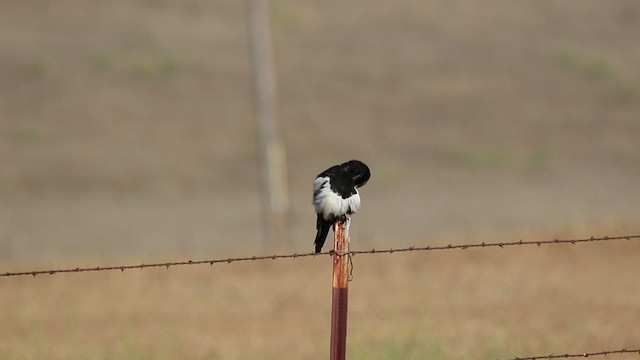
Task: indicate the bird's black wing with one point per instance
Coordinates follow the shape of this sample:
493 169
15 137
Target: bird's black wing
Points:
341 181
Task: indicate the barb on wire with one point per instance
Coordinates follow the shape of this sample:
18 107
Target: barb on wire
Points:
583 355
296 255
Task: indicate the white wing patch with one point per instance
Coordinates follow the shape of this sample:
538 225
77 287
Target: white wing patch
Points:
330 204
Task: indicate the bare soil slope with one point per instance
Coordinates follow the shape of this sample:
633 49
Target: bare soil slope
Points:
126 127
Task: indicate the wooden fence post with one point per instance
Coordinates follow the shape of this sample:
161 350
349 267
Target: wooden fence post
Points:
340 294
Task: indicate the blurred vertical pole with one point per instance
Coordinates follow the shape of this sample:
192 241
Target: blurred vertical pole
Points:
275 202
340 290
6 241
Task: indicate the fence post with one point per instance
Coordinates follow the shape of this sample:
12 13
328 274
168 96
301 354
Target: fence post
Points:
340 293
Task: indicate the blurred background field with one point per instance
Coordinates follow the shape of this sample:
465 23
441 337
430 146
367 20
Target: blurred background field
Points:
127 135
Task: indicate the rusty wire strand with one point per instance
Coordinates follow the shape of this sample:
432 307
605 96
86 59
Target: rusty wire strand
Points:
583 355
296 255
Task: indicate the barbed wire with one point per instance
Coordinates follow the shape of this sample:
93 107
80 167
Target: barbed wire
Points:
296 255
583 355
500 244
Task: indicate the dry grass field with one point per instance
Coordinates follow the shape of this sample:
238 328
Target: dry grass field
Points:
126 136
471 304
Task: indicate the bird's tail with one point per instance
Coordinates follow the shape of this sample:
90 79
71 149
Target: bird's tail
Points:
323 227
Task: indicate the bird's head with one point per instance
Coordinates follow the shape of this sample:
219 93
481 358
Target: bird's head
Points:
359 172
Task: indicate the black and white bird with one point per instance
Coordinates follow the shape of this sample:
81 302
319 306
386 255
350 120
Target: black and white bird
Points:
335 195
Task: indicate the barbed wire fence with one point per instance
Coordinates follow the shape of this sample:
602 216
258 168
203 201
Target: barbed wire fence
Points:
537 243
583 355
350 254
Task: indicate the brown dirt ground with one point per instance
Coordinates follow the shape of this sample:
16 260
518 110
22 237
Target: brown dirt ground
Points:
126 131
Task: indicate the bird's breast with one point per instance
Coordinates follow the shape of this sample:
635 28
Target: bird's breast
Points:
330 204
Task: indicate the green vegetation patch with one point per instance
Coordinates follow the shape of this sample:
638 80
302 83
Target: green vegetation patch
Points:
39 67
586 64
149 67
501 157
405 348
